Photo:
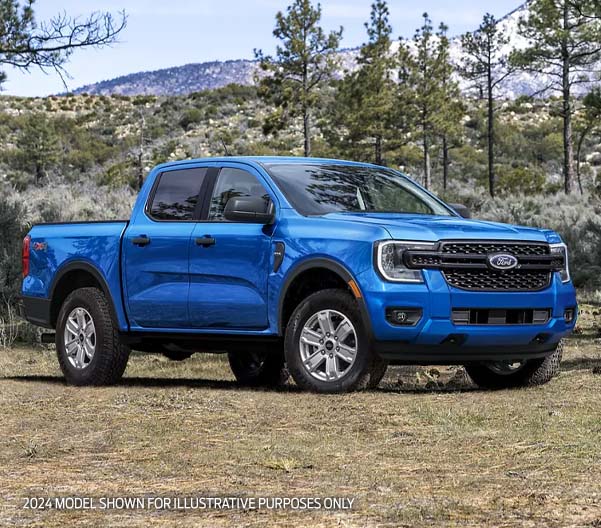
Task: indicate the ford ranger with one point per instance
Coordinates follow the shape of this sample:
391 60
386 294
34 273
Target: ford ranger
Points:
323 269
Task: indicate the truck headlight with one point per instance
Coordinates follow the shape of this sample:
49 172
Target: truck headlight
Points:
390 262
562 249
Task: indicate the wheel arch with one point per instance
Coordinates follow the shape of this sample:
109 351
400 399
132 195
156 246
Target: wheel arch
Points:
325 267
72 276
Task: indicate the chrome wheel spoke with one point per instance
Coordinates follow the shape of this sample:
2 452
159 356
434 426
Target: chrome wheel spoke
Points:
72 347
89 329
313 362
81 319
346 353
325 323
80 356
89 348
344 330
331 368
72 326
309 337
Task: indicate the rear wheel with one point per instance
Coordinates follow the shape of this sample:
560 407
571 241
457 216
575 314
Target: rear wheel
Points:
258 368
327 346
87 342
510 374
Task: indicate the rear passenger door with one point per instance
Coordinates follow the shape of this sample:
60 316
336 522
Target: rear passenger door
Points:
156 249
228 273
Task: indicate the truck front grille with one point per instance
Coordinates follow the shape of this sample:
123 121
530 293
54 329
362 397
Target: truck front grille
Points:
490 280
464 265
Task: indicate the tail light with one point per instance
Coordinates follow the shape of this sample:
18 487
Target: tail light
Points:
25 255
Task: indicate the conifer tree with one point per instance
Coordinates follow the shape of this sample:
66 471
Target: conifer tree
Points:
304 61
564 44
25 43
365 100
486 65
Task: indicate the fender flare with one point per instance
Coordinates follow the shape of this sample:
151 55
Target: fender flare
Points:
82 265
333 266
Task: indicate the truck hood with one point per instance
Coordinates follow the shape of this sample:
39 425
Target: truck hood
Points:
434 228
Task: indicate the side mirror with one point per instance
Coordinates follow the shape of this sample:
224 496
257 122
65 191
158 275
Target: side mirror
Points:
462 210
249 209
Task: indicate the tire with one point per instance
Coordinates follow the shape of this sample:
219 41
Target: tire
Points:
327 370
377 372
94 359
258 368
533 372
177 355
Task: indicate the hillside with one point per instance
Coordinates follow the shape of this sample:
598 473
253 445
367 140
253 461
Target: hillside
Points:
183 80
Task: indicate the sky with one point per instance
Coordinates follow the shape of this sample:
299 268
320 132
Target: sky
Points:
165 33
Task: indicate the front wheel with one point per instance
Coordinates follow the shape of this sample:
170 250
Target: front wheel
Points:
513 374
87 342
327 346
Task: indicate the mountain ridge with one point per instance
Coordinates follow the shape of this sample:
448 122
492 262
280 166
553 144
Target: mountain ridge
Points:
194 77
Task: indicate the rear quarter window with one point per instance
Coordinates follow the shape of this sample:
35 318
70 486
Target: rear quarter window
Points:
176 195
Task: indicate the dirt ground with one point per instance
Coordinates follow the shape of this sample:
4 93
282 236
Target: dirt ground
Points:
426 448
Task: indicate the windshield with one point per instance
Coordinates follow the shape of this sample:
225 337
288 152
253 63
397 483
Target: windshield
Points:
317 189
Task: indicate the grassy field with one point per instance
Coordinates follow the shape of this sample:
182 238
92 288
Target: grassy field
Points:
426 448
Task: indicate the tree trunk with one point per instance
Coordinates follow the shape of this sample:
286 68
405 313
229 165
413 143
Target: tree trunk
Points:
307 131
39 174
568 139
585 133
490 136
427 170
378 150
305 107
140 169
445 162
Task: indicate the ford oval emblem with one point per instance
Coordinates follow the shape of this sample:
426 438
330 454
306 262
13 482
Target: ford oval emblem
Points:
502 261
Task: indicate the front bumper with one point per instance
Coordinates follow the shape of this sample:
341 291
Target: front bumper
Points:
437 339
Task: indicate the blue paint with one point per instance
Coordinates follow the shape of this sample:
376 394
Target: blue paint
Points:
174 285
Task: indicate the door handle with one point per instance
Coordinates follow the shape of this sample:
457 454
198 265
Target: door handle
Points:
142 240
205 241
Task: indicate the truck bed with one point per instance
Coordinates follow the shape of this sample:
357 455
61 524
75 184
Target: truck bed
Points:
55 247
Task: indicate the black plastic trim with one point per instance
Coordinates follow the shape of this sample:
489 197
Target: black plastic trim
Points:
36 310
215 341
88 268
330 265
400 353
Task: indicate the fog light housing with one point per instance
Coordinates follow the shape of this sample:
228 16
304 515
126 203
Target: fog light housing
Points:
403 316
568 315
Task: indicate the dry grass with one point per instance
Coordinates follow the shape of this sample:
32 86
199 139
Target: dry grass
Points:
425 449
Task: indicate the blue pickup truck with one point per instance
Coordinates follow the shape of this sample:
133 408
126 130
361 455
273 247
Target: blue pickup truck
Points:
323 269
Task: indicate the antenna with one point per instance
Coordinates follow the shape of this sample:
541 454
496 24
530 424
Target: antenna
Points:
225 147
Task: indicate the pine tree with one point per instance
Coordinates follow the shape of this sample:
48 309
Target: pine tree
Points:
365 100
486 64
24 43
38 145
590 121
564 43
304 61
421 74
451 109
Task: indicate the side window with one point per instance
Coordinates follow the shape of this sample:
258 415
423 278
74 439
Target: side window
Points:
233 183
176 194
